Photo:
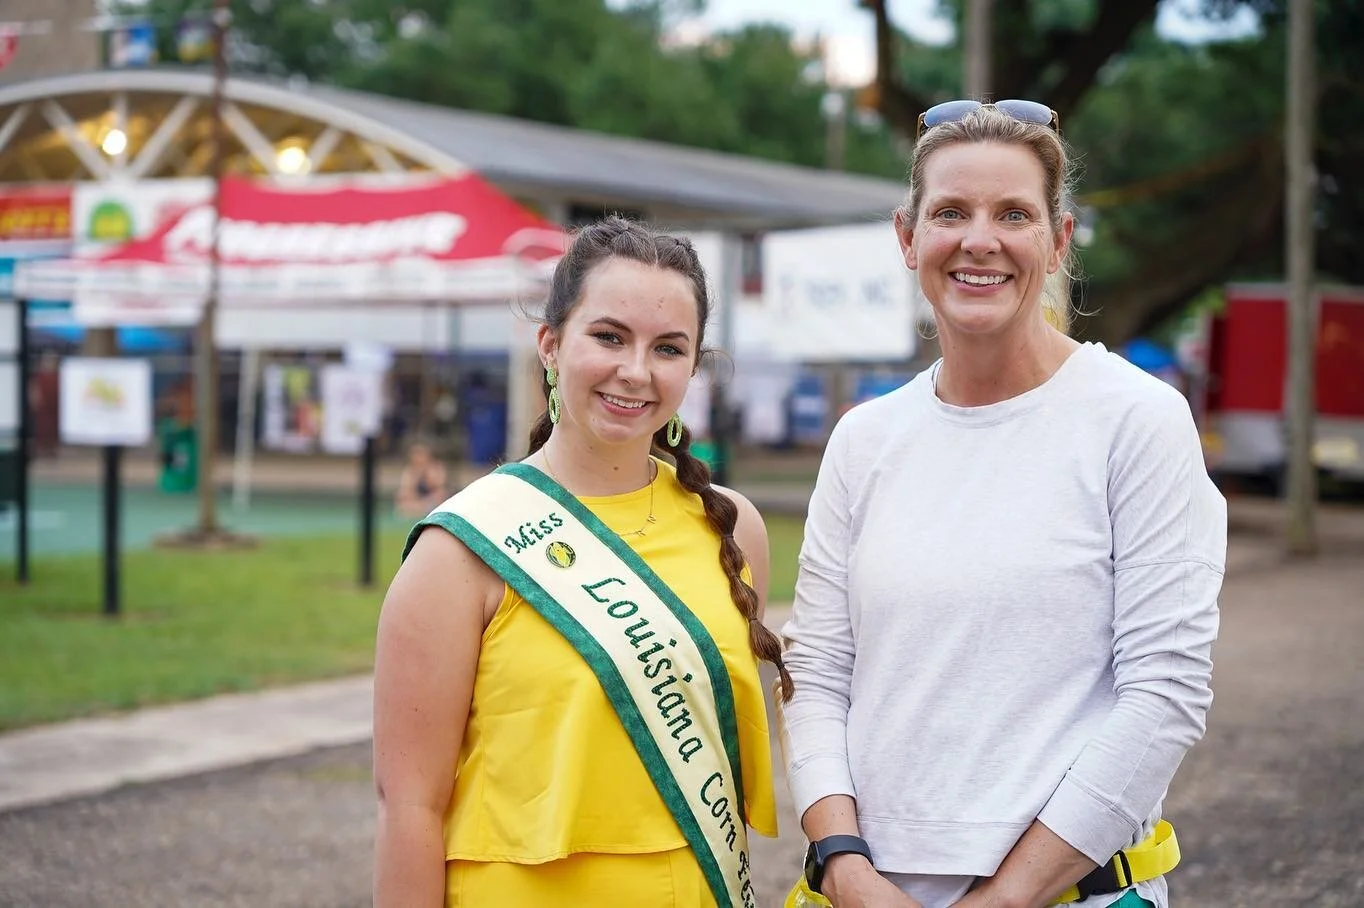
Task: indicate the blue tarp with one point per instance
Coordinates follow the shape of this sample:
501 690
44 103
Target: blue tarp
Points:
130 340
1149 356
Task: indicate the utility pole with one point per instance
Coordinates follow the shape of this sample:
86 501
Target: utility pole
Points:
206 351
721 403
1302 305
977 47
834 106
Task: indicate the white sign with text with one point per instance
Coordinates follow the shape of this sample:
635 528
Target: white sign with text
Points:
9 328
352 407
105 401
838 294
9 399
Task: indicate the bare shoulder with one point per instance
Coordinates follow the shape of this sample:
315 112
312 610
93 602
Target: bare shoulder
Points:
750 530
750 533
748 511
440 567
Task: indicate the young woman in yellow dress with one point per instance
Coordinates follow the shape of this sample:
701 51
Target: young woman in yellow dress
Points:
567 702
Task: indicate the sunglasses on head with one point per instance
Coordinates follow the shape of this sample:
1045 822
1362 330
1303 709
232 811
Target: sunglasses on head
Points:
952 111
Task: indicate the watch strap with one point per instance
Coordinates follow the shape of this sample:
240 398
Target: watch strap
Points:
826 848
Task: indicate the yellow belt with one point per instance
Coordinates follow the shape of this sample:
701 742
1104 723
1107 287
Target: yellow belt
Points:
1156 856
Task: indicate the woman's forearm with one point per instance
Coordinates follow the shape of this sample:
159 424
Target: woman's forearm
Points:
409 865
835 815
832 815
1039 867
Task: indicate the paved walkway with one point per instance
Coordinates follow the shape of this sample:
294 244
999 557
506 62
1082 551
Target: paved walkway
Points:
83 757
91 756
1269 805
275 472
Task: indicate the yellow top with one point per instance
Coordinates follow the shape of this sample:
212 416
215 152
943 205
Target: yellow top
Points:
546 768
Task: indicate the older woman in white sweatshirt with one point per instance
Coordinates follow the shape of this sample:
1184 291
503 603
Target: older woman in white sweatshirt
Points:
1001 641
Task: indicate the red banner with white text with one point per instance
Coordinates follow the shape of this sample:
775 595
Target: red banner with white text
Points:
453 240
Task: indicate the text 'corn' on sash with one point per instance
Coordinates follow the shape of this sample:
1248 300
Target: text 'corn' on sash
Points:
658 665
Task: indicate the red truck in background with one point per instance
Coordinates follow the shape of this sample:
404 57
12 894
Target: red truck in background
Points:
1245 383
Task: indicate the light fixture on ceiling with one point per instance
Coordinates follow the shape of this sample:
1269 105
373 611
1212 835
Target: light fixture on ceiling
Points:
114 143
293 160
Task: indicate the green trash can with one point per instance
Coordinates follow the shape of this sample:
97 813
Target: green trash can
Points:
179 456
704 450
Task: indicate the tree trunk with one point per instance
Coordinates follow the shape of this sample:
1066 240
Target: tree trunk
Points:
1301 403
979 42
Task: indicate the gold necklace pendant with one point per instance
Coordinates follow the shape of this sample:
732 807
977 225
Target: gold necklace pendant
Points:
650 519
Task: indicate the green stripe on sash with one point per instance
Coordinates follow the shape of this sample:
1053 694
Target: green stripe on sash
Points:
710 653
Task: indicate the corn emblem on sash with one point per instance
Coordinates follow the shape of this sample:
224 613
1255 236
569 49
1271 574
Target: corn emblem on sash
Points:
659 667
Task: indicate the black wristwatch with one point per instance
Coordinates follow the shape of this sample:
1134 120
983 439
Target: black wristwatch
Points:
818 854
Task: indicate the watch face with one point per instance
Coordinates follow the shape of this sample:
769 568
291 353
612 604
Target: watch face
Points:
812 868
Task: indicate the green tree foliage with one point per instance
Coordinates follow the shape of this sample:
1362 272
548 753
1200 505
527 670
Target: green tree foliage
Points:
1193 139
1165 141
1180 147
572 62
1340 142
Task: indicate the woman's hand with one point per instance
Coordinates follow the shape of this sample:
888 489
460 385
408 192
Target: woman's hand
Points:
984 898
1035 871
850 881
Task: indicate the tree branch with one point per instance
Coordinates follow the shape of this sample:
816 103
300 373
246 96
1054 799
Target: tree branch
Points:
1015 63
1022 59
1218 238
1021 65
898 104
1086 54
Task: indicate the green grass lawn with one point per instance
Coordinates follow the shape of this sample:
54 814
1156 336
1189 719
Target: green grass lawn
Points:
783 536
193 624
200 623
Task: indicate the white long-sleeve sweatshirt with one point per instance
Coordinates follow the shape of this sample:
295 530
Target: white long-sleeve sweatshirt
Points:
1005 613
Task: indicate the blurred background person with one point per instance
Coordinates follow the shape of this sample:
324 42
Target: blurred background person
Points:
422 484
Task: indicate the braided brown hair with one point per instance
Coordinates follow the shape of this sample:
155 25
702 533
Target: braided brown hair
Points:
616 237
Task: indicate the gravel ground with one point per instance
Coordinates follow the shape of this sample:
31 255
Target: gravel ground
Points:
1269 807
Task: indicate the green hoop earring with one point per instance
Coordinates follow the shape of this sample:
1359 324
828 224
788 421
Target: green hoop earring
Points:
556 403
674 435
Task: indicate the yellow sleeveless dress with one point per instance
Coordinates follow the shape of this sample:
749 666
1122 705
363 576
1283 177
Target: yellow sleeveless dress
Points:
552 805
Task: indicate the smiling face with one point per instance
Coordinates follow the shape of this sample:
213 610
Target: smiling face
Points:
626 352
983 241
